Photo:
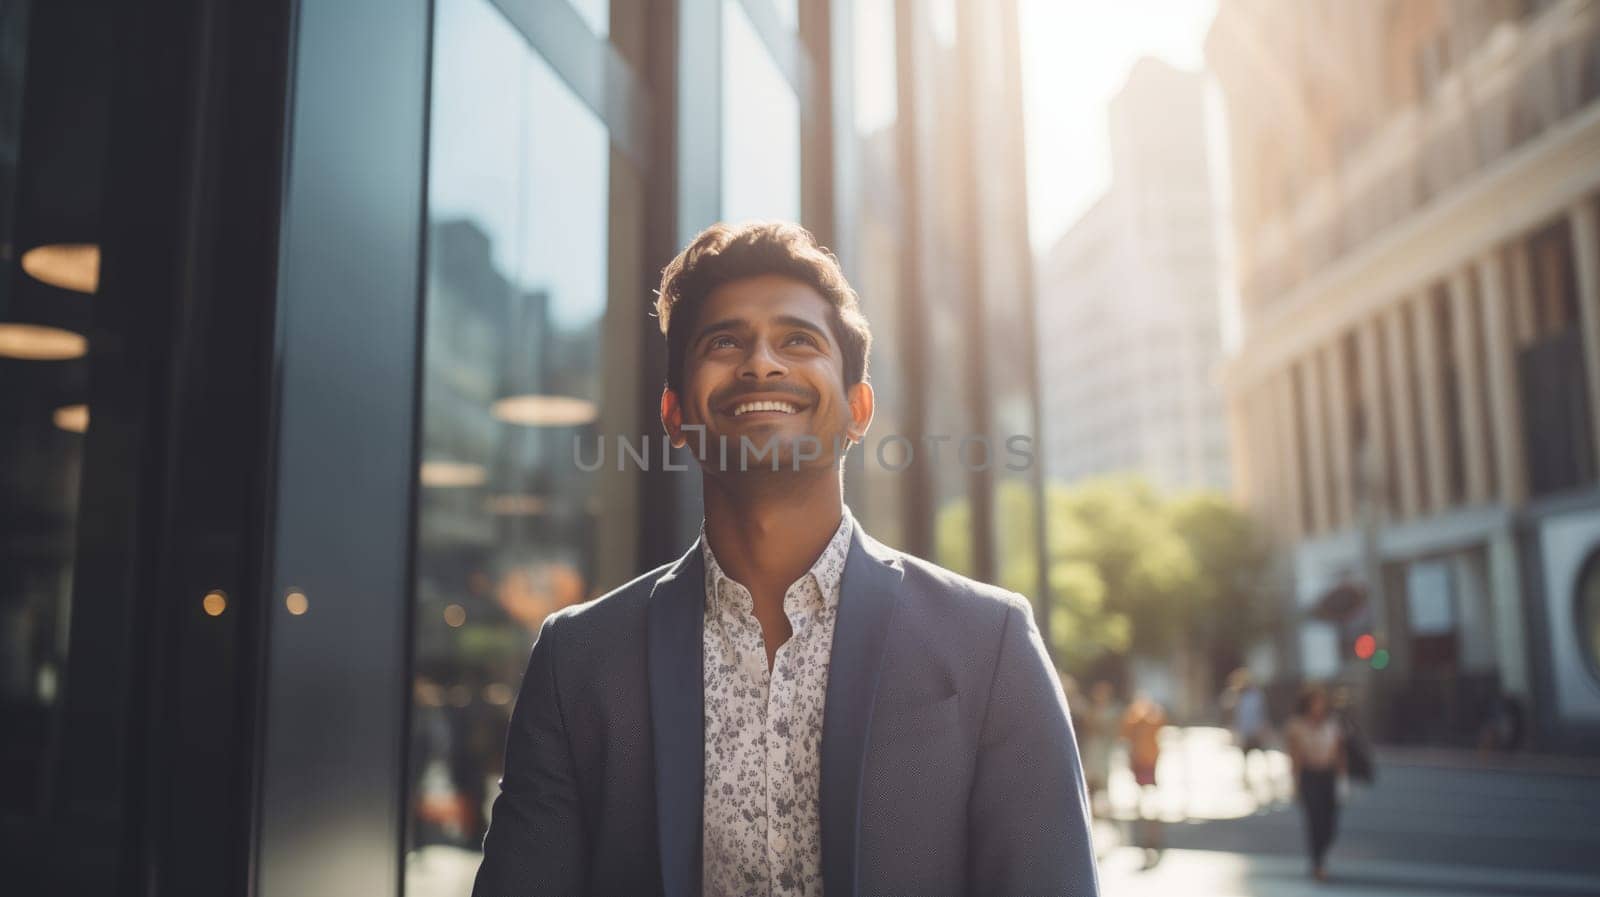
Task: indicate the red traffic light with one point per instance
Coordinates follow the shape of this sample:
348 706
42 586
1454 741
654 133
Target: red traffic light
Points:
1366 645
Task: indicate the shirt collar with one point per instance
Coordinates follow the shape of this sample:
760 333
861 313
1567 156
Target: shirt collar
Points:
827 570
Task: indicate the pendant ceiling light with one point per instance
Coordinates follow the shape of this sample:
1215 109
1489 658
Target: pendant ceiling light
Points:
36 342
70 266
453 474
57 161
546 411
73 418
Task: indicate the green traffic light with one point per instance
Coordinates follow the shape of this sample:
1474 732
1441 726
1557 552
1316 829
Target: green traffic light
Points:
1380 658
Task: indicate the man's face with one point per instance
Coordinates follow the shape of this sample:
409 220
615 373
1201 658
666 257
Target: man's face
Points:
762 364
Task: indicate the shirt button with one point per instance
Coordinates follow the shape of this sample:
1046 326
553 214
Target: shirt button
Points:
780 842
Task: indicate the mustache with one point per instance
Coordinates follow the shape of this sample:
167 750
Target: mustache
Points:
734 395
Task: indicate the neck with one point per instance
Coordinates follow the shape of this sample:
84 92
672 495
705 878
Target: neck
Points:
766 538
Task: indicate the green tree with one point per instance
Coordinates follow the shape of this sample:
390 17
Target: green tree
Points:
1018 558
1131 570
1232 585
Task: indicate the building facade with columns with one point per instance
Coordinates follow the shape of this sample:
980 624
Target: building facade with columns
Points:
1415 400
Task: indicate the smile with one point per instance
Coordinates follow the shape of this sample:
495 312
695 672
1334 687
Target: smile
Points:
780 407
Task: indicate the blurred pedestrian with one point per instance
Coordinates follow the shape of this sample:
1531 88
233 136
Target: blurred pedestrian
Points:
1141 728
1359 764
1503 725
1316 754
1102 722
1246 708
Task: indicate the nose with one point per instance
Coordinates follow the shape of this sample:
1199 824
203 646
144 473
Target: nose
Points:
762 363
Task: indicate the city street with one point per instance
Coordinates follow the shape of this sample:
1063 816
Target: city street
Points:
1203 873
1433 824
1437 825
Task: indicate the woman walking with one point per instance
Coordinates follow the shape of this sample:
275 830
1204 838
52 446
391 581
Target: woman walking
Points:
1141 727
1316 753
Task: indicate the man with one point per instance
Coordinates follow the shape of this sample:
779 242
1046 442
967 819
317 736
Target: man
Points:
791 707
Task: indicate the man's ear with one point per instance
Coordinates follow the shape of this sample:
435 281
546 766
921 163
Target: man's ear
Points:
861 401
672 417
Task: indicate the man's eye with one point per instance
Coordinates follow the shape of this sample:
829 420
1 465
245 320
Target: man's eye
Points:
802 337
718 342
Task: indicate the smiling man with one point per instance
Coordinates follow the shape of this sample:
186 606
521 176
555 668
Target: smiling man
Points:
791 707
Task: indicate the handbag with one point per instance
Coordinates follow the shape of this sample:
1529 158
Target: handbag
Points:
1358 754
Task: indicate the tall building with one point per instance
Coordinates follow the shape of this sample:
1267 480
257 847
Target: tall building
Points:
313 322
1414 401
1129 339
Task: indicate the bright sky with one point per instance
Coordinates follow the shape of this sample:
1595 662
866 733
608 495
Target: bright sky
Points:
1075 56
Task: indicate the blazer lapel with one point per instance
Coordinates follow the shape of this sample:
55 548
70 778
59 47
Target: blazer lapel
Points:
868 595
677 719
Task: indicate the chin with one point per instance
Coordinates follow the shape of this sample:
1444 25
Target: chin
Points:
759 458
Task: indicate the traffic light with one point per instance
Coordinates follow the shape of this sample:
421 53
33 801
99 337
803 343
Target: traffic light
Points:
1366 645
1367 649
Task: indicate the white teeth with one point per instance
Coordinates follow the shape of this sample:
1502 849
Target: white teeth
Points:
785 407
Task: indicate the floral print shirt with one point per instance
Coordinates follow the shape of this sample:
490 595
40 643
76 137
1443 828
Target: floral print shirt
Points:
761 828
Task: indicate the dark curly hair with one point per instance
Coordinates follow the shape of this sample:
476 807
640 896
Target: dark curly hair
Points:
724 253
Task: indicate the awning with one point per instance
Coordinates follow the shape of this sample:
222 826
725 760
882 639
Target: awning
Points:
1340 604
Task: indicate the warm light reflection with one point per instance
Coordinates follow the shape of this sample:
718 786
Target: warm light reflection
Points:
70 266
214 603
428 693
497 693
515 505
296 602
453 474
32 342
455 615
529 594
546 411
72 418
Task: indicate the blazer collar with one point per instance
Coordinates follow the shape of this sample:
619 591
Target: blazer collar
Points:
868 597
676 618
869 593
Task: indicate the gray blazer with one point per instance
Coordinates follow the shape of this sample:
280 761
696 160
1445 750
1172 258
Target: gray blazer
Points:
948 759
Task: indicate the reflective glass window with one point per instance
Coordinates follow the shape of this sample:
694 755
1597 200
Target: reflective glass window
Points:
596 14
514 354
760 127
948 257
878 494
788 13
1588 601
44 414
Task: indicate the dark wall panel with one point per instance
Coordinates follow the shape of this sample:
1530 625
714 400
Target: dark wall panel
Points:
346 468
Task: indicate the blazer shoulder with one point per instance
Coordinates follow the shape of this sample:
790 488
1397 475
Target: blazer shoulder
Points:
959 594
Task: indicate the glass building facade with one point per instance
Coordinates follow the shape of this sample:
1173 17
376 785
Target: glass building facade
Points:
371 293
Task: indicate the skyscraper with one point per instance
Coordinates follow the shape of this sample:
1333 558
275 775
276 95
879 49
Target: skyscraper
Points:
1129 339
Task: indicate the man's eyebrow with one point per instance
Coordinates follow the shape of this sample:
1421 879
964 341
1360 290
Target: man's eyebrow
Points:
718 327
803 324
742 324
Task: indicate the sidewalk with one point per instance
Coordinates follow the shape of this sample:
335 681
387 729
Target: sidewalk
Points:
1459 758
1204 873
